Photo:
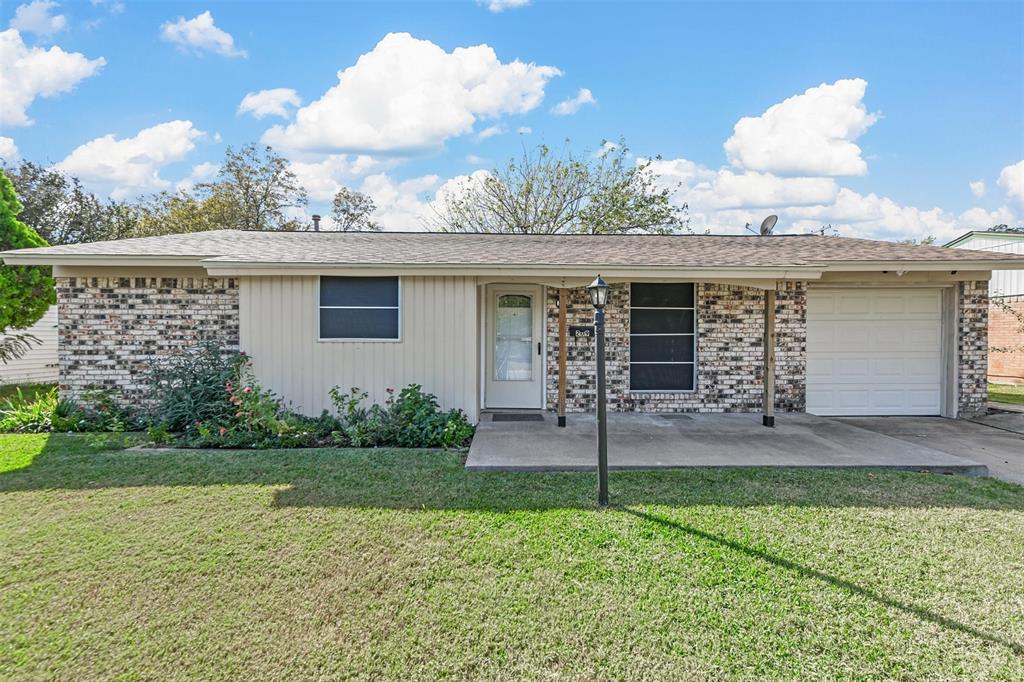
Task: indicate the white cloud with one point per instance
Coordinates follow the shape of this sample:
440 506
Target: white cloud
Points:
115 6
808 134
574 104
401 205
491 131
878 217
198 35
30 72
273 102
722 201
410 95
710 190
502 5
322 179
977 188
36 17
472 159
131 165
9 153
202 172
524 130
1011 179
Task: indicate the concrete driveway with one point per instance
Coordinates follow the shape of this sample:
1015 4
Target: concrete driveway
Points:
648 441
995 440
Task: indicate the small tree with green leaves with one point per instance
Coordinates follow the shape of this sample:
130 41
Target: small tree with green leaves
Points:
543 192
25 291
62 211
352 211
253 191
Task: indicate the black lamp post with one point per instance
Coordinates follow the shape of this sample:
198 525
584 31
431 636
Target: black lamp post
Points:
599 297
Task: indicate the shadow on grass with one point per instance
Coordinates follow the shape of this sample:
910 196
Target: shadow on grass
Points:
422 479
840 583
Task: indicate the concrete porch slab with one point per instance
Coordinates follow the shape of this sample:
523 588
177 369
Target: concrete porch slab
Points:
995 440
649 441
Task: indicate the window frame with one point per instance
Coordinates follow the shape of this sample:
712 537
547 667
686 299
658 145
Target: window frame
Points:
694 363
320 338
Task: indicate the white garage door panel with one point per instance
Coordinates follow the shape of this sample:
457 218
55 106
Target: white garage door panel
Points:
874 352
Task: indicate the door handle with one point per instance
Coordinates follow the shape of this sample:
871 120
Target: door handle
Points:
538 348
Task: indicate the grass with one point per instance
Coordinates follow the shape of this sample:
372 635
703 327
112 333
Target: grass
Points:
400 565
30 392
1006 393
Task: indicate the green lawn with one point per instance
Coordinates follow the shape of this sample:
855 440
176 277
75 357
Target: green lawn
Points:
1006 393
28 391
399 565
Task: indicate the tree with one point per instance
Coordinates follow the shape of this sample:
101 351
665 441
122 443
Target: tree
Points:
172 213
25 291
253 191
924 241
1006 228
548 193
352 210
61 211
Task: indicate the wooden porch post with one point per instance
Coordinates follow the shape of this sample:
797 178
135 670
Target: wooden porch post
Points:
768 401
562 354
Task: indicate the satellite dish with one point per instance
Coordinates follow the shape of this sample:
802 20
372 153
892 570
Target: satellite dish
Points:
768 224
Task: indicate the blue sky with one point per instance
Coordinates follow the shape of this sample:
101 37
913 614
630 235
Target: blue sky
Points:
906 104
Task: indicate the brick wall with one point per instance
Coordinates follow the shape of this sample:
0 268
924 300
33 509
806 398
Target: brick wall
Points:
973 347
1006 340
112 329
730 328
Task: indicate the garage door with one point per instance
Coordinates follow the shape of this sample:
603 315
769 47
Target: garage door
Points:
874 351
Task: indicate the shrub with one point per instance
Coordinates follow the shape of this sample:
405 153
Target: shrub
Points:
21 414
247 415
412 419
48 412
98 411
191 387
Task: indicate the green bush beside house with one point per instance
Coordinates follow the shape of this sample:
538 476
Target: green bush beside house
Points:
210 399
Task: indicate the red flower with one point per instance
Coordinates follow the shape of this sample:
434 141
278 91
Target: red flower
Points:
242 353
238 414
247 389
222 430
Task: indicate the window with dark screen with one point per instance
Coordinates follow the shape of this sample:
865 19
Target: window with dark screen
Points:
662 337
359 308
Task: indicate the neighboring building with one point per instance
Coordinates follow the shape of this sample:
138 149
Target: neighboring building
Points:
1006 289
863 327
39 364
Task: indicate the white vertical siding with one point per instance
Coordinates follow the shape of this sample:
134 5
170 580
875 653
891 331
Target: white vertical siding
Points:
438 348
1003 282
39 365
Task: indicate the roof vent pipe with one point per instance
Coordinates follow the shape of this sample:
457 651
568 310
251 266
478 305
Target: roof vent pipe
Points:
316 222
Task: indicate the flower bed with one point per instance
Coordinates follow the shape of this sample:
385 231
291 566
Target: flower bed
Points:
211 399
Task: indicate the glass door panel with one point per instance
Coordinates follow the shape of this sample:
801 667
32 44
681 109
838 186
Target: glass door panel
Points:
513 338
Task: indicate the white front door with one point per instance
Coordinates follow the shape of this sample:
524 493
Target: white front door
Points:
514 337
874 351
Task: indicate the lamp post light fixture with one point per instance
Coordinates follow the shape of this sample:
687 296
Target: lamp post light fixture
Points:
599 297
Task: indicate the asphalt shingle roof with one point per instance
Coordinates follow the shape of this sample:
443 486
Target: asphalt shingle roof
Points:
423 248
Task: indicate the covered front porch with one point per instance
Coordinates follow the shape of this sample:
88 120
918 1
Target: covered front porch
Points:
532 441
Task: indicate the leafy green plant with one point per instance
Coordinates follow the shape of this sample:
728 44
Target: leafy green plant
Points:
42 412
246 415
191 387
19 414
159 435
99 411
410 419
